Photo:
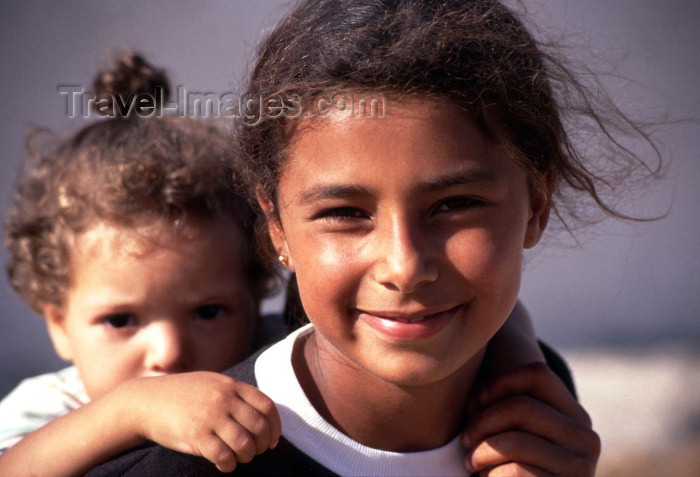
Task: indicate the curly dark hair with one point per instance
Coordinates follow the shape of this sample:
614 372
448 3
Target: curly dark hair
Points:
475 54
121 170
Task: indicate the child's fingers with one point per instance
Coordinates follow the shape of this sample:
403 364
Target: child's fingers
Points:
526 414
238 440
538 381
535 456
218 452
253 422
267 409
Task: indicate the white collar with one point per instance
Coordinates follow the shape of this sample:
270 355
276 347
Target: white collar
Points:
304 427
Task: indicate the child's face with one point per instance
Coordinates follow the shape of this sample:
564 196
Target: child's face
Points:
154 301
415 216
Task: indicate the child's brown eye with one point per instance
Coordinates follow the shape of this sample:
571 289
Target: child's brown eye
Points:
120 321
209 312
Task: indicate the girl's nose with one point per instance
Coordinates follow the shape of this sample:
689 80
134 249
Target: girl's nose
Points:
167 348
405 261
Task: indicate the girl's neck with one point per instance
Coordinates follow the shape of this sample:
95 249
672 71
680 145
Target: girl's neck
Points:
380 414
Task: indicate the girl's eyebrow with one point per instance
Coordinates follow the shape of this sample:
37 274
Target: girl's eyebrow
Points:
342 191
463 178
333 191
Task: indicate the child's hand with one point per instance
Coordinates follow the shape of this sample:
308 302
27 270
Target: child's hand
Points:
529 424
205 414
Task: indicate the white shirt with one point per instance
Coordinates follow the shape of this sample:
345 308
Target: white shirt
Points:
304 427
37 401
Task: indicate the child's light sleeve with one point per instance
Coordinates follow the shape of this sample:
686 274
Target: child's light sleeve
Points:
37 401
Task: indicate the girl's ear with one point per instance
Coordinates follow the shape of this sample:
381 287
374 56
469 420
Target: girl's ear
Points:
535 226
541 206
56 325
276 231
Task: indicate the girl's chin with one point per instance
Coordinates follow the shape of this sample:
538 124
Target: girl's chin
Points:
403 367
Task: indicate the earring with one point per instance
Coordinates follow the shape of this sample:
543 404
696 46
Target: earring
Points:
283 260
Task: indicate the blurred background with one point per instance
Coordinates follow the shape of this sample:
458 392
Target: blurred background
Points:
622 305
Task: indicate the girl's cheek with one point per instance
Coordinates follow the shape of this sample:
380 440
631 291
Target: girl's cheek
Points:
335 267
472 251
339 253
330 255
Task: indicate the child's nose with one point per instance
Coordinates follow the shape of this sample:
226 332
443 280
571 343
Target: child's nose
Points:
404 260
167 348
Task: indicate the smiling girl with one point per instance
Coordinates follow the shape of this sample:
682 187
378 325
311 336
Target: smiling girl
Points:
405 225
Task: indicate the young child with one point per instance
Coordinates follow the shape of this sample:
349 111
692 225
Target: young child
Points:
132 242
405 225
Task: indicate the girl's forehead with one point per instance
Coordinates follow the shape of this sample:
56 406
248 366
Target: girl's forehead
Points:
417 146
424 127
430 109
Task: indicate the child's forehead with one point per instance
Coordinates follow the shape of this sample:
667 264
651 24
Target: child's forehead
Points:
120 239
148 235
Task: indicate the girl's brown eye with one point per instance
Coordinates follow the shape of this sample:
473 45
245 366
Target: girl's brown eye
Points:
342 213
457 204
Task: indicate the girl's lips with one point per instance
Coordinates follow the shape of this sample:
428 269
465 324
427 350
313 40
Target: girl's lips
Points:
409 327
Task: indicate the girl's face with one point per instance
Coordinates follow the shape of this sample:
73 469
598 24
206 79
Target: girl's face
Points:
406 233
154 301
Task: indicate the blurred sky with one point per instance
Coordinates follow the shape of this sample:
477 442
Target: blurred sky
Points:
625 284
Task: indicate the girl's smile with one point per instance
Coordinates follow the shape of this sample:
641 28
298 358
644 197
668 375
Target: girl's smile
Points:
408 326
406 233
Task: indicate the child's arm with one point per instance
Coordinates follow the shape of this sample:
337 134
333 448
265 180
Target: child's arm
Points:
528 423
199 413
526 419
